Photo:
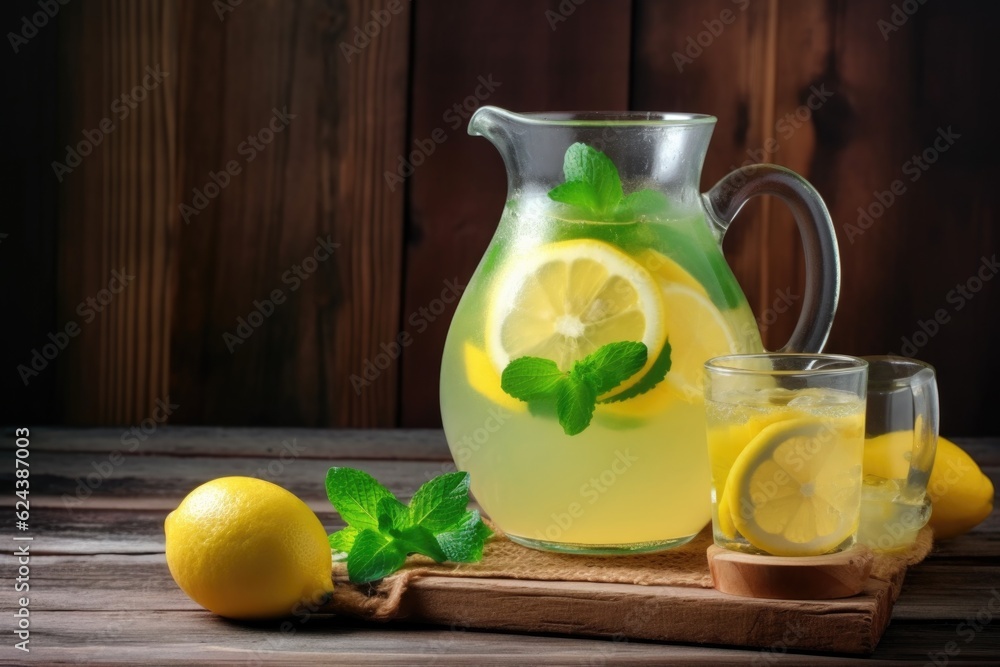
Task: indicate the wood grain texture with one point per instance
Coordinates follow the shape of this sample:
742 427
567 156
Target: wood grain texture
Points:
455 198
359 114
116 216
662 613
102 593
731 78
319 178
895 93
828 577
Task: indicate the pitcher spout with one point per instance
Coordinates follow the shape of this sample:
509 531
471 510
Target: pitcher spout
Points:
663 151
488 120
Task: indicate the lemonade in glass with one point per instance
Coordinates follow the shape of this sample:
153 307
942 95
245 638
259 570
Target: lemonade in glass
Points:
785 440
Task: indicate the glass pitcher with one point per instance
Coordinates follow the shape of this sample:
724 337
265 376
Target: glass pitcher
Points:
571 383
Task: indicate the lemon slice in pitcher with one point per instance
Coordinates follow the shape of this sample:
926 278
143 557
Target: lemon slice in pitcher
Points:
795 489
669 271
484 378
696 331
564 300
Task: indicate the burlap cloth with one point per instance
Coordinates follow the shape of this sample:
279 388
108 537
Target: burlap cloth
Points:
502 559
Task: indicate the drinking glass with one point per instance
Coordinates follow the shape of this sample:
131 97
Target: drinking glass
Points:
900 441
785 444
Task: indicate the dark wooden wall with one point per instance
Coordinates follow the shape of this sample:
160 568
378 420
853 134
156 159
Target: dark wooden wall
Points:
355 108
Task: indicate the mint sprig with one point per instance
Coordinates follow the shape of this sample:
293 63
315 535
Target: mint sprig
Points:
382 531
593 189
575 392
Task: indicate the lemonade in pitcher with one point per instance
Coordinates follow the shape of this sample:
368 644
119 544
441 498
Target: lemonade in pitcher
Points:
571 382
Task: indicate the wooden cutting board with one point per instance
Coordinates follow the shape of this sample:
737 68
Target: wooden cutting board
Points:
662 613
687 614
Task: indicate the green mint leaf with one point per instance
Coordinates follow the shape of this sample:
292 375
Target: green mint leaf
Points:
464 542
575 403
392 515
653 377
594 188
538 381
575 193
382 531
589 165
530 378
483 532
440 502
646 203
355 495
417 539
373 557
343 540
610 365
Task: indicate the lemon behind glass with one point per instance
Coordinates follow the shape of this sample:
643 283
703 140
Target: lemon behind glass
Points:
244 548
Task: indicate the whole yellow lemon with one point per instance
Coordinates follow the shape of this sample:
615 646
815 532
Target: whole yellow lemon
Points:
245 548
961 495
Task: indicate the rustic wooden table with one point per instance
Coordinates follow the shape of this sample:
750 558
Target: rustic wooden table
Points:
101 593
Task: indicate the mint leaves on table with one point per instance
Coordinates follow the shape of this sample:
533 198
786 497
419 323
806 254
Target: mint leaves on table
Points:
381 531
575 392
593 189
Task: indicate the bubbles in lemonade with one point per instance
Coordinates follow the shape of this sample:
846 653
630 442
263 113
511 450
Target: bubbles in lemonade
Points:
636 476
786 469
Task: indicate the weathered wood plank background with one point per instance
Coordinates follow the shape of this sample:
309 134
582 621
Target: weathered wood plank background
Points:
275 127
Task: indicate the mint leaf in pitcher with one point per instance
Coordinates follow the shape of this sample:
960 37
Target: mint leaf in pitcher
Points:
592 182
593 189
574 393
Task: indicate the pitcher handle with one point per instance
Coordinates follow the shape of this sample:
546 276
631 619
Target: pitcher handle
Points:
819 240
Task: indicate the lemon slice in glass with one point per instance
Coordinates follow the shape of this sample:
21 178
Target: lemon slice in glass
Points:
795 490
564 300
